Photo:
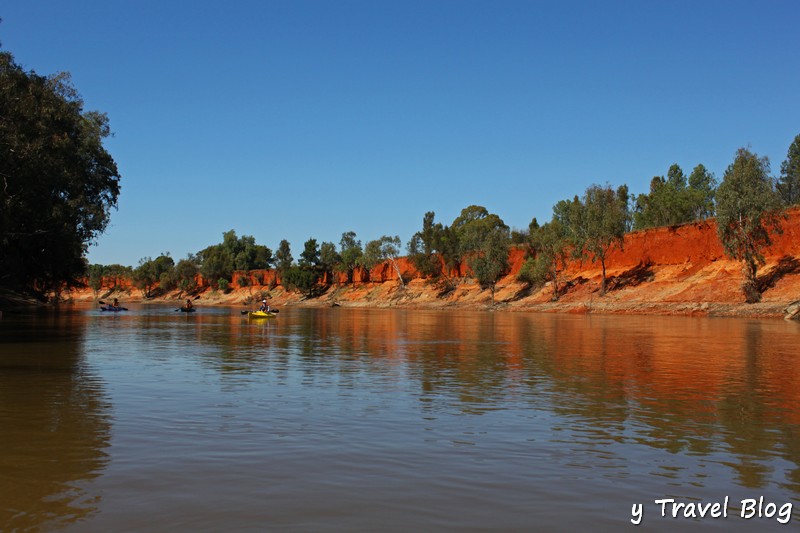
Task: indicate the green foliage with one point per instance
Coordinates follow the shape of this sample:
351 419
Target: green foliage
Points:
329 258
673 201
747 212
310 256
350 252
57 182
223 284
595 224
95 277
301 279
702 190
789 182
150 271
482 238
380 250
423 246
473 226
551 245
186 273
283 256
233 253
489 260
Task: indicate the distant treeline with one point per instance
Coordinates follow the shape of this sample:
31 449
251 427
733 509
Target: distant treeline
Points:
747 204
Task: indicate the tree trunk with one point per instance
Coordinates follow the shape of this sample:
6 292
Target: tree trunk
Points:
397 269
750 286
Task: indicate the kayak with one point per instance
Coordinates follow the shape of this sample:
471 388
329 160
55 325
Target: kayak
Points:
188 309
112 308
260 314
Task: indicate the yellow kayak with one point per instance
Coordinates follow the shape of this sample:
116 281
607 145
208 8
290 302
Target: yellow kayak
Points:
260 314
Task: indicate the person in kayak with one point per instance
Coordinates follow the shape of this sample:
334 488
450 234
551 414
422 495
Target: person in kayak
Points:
188 304
264 307
116 303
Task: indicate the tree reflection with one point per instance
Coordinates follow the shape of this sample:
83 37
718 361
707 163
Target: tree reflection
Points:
54 424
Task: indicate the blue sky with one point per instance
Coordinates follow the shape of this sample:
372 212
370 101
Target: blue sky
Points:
291 120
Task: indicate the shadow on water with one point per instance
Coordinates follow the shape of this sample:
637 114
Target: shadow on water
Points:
54 424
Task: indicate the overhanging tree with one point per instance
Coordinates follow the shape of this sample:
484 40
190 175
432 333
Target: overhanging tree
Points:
57 181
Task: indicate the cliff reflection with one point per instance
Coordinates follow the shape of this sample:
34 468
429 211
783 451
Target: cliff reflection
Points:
54 424
724 389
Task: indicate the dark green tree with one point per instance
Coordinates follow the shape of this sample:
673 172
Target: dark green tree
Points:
551 246
747 213
283 257
233 253
301 279
701 191
668 203
489 259
473 226
151 271
57 181
186 273
422 247
329 258
95 274
310 256
789 182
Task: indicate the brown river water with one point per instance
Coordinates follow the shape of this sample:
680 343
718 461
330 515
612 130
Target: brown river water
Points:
396 420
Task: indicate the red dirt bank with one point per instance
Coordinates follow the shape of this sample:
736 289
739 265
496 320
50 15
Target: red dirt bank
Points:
669 270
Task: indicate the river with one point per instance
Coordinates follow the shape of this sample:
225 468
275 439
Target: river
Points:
396 420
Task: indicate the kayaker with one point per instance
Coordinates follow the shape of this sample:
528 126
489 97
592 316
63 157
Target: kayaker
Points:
116 303
264 307
188 303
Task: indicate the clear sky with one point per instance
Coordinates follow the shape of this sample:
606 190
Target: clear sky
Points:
298 119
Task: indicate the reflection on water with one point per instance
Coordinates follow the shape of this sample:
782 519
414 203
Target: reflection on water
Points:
54 424
392 420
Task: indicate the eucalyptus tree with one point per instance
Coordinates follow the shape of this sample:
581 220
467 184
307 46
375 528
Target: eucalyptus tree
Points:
596 224
747 213
483 239
380 250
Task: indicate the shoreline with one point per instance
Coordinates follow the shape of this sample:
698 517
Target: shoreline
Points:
421 295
